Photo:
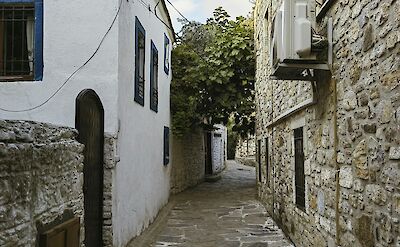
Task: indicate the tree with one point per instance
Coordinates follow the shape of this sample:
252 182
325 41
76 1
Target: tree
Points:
213 74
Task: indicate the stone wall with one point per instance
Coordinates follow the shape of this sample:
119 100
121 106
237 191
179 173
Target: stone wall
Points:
110 161
41 179
188 161
355 127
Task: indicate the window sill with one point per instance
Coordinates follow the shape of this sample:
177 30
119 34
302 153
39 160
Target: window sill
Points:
324 8
16 78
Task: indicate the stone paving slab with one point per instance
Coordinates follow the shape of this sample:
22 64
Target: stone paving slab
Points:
221 214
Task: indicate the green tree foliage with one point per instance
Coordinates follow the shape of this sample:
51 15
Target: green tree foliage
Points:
213 74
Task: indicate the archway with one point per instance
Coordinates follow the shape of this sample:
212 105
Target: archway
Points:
89 121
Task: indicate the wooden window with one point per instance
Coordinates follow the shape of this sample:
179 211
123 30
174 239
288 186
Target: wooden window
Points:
21 40
167 48
154 78
299 168
166 146
266 160
140 45
259 160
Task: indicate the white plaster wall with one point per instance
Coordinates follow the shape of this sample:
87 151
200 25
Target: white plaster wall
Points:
219 152
72 32
141 181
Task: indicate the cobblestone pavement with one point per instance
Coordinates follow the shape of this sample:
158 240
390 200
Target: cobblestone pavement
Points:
224 213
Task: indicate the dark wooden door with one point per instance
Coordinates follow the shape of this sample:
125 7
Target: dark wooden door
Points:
63 235
90 124
207 152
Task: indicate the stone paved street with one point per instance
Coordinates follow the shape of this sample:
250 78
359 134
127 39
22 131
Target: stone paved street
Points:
224 213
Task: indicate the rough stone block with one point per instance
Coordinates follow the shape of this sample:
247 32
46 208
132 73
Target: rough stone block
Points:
394 153
346 177
370 128
369 37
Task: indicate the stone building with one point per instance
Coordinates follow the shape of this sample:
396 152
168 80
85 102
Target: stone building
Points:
329 149
102 67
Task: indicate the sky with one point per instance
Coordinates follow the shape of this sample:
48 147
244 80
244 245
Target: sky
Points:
201 10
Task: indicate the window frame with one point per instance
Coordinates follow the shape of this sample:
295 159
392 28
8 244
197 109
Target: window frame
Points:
139 29
38 63
154 78
167 49
299 177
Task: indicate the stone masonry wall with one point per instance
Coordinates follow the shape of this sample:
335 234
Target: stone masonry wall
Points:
188 161
41 179
367 78
110 161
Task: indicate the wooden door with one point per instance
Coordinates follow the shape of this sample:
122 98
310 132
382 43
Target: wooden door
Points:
90 124
63 235
207 153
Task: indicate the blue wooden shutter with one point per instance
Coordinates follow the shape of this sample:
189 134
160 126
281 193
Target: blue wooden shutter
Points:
38 53
154 78
166 146
166 54
139 82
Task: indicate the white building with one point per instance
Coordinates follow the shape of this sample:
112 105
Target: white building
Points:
128 77
219 148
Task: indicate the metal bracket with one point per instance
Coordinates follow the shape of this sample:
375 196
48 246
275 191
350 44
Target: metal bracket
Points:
292 69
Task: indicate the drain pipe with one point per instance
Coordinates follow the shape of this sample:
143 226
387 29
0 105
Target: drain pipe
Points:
272 152
335 150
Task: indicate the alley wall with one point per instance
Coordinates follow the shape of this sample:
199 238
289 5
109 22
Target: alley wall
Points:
365 76
188 161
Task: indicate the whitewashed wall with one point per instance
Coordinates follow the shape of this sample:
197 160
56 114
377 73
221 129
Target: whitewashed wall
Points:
71 35
141 181
72 31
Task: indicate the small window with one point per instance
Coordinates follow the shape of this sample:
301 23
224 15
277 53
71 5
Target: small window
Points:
266 160
21 40
166 54
139 62
154 78
166 146
259 160
299 168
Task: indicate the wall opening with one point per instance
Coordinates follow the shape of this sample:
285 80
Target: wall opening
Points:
299 168
89 121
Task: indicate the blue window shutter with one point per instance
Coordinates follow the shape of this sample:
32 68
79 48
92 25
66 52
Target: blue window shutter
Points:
166 54
166 146
38 55
154 78
139 84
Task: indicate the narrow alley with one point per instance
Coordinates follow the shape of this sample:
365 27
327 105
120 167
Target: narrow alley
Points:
224 213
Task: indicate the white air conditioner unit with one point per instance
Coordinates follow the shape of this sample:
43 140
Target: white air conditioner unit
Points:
294 45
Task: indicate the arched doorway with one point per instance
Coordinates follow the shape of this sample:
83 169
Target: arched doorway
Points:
89 121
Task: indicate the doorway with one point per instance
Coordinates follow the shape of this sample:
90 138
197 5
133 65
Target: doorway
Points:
208 152
89 121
